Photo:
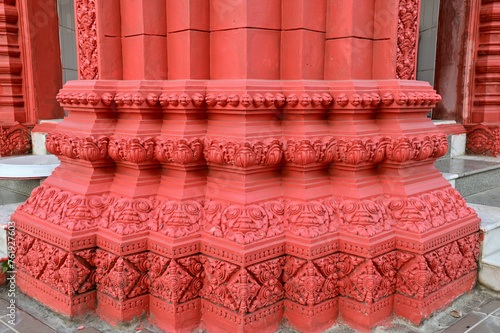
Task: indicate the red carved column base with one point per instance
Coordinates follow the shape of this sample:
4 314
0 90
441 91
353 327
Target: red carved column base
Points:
170 201
183 317
75 306
417 310
117 312
54 266
15 139
183 293
364 316
218 319
483 139
315 318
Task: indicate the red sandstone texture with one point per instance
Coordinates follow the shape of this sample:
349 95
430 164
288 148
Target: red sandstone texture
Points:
256 186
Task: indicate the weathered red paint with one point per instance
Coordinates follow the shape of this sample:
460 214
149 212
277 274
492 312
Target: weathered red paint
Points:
31 71
483 125
253 190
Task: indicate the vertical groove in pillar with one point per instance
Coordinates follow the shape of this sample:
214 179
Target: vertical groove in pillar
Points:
188 28
144 39
11 93
303 25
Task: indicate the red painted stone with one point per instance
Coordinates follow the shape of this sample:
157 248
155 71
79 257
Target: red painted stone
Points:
351 18
245 53
263 14
28 82
304 14
303 55
144 56
190 56
259 191
484 118
188 15
349 58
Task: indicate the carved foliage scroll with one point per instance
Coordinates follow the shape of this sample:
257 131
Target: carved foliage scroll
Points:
406 63
87 39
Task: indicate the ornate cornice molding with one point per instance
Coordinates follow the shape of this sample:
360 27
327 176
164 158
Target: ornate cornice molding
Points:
246 154
76 147
243 154
292 101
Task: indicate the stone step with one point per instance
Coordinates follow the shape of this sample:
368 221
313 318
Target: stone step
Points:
5 212
489 271
490 228
471 174
21 174
489 258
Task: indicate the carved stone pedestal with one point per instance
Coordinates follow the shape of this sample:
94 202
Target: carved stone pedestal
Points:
295 220
262 188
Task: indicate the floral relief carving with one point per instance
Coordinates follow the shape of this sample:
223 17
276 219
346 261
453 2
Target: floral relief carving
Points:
407 39
367 150
135 150
176 281
15 140
416 277
172 284
406 149
87 39
305 285
57 268
358 151
268 275
243 154
179 151
369 283
424 274
304 152
217 273
243 289
116 276
85 148
69 277
142 264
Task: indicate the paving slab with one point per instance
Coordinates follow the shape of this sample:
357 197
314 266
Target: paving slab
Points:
490 324
466 323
